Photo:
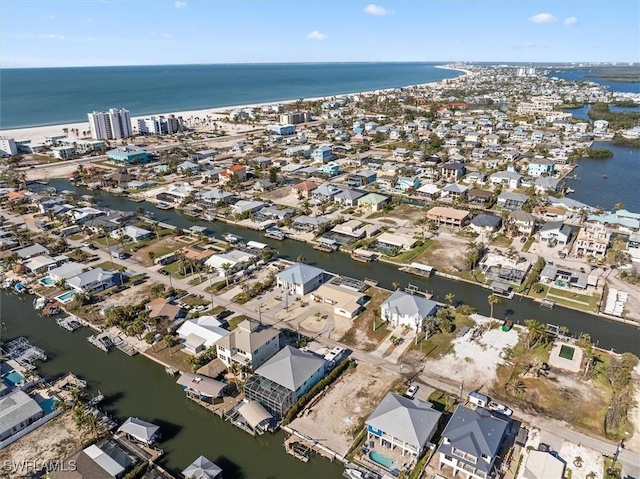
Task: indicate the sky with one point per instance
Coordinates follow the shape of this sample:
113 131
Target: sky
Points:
39 33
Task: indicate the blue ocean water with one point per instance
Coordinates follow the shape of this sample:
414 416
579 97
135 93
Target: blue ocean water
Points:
620 186
578 74
50 96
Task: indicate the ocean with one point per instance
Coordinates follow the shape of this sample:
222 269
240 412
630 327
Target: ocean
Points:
51 96
578 74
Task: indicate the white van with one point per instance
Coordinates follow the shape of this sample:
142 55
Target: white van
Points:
478 399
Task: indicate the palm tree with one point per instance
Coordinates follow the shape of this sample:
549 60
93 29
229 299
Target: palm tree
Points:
301 259
225 268
121 271
169 342
618 206
449 298
515 387
536 334
105 232
492 299
151 255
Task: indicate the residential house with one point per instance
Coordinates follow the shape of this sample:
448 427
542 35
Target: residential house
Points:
475 177
373 201
386 182
162 310
448 216
348 197
245 206
106 459
454 190
214 196
92 281
471 442
555 232
592 240
346 302
546 184
304 189
284 378
236 260
325 192
486 223
364 177
132 233
510 179
128 155
17 411
512 201
430 191
300 279
330 169
309 223
188 166
250 344
479 197
322 154
561 276
408 310
453 171
549 213
234 172
540 167
543 465
522 222
200 333
31 251
396 240
400 422
66 271
405 183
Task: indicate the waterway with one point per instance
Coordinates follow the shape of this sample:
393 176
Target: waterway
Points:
609 334
622 180
136 386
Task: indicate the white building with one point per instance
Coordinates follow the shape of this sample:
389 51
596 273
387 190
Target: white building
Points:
8 146
407 309
160 125
114 124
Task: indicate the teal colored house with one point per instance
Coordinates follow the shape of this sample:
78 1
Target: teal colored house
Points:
128 155
331 169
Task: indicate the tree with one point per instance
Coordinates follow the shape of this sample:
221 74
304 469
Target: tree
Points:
301 259
449 298
618 206
157 289
169 341
273 175
492 299
515 387
151 255
537 333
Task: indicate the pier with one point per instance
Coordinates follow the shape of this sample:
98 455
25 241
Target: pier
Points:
102 341
70 323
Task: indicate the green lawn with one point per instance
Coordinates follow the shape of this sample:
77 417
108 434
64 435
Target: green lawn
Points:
192 300
109 265
175 357
409 256
233 322
569 298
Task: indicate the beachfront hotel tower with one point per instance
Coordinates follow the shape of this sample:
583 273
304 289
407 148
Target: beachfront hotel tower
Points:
114 124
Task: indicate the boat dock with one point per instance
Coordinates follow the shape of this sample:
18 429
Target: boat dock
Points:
70 323
102 341
327 245
125 347
363 256
275 233
545 303
23 352
418 269
301 447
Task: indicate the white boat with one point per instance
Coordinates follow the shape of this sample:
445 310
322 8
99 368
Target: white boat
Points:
358 474
231 238
7 283
39 303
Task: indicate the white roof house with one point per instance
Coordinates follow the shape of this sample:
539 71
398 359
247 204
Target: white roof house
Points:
17 410
140 430
202 468
66 271
234 258
407 309
132 232
92 280
300 278
200 333
406 423
542 465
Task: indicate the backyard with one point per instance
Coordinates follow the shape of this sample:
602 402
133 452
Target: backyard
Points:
447 258
363 333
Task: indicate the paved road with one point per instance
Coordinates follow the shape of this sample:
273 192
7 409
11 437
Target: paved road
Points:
629 459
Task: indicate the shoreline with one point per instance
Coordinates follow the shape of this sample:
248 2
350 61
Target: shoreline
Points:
38 134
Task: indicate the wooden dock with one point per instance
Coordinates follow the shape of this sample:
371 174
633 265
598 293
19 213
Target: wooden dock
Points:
125 347
221 408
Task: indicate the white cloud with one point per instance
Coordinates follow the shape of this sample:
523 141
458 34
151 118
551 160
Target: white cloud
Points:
377 10
543 18
180 4
316 35
570 21
55 36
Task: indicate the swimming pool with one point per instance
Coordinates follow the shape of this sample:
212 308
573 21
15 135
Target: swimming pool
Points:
65 297
13 378
47 281
383 460
48 405
562 284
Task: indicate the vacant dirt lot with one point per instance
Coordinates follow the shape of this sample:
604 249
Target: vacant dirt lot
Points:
335 419
447 257
159 248
55 440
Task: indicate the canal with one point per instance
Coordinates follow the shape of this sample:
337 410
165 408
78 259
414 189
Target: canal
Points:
139 387
608 334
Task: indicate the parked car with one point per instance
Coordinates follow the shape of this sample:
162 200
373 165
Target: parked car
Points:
164 272
224 314
562 255
523 239
411 392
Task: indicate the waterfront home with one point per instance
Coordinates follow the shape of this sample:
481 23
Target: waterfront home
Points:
18 410
555 231
92 281
396 240
471 442
284 378
400 422
132 233
107 459
300 279
31 251
236 260
203 468
249 345
543 465
274 213
546 184
128 155
510 179
506 269
373 202
623 220
201 387
214 196
139 430
540 167
453 171
352 228
245 206
485 222
200 333
522 222
304 189
346 302
448 216
564 277
348 197
66 271
85 214
161 309
592 240
404 309
511 201
549 213
309 223
570 204
39 264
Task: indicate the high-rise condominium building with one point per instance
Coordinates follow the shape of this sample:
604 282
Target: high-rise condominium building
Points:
114 124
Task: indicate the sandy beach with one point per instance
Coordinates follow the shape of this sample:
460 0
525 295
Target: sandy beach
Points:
38 134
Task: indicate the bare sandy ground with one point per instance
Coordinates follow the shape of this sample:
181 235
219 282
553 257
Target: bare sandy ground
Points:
334 419
475 362
55 440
